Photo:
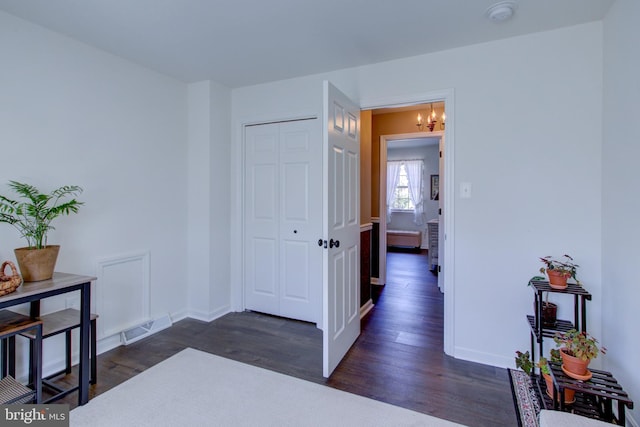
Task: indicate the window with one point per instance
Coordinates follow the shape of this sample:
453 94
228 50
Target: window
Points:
402 197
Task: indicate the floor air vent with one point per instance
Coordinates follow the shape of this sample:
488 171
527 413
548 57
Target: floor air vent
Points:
142 331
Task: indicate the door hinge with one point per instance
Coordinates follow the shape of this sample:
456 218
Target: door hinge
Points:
439 211
440 153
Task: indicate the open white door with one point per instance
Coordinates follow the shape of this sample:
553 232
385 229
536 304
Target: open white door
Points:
341 217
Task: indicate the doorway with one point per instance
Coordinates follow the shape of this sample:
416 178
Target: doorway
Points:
446 252
433 198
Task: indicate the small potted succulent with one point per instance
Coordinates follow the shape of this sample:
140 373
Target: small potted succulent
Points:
559 270
577 350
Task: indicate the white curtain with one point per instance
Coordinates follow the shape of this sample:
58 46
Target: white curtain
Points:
393 171
414 176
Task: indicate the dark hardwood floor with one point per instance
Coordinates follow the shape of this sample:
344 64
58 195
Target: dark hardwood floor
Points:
398 358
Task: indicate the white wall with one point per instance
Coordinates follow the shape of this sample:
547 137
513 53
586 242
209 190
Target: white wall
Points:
208 192
621 203
198 191
219 212
70 114
528 139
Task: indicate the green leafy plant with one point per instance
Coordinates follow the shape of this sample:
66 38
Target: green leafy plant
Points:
33 213
564 265
578 344
524 362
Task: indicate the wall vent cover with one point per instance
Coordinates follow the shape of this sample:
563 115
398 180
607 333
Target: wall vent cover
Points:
146 329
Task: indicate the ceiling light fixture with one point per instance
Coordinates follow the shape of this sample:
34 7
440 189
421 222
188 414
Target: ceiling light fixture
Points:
431 120
502 11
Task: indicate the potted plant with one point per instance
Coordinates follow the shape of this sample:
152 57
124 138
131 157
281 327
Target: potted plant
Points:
559 270
523 361
32 215
577 350
549 309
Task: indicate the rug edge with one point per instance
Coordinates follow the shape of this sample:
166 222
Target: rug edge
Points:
515 402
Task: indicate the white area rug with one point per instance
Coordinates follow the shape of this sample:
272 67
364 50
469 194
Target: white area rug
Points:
194 388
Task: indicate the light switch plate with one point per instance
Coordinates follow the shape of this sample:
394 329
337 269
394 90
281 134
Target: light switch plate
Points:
465 190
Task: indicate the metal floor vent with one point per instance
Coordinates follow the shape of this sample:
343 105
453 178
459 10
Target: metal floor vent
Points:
136 333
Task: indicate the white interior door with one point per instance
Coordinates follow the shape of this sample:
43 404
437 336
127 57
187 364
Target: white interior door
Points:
283 219
341 194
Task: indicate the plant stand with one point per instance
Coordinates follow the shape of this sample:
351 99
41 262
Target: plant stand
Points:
538 331
594 398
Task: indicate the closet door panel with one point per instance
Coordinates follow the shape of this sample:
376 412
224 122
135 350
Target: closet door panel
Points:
301 220
262 219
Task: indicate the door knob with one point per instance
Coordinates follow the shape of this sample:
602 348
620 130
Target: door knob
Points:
333 243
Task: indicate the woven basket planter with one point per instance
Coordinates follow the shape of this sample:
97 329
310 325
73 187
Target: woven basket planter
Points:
9 283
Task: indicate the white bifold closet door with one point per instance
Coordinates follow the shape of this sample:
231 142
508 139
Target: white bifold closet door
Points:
283 219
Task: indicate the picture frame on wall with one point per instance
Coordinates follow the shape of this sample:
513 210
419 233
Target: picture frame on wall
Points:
435 187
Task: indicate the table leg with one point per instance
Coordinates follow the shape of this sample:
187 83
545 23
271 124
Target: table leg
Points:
36 364
85 308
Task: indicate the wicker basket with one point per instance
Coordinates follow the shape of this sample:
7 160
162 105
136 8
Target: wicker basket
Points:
9 283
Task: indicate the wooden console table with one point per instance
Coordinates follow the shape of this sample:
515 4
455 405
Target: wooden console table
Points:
61 283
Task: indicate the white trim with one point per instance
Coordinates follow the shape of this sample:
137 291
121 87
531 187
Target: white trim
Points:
104 263
366 308
366 227
209 316
446 95
408 100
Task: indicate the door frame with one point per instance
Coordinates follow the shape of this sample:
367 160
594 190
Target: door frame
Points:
384 145
446 95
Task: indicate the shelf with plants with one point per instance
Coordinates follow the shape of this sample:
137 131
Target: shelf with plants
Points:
567 379
538 331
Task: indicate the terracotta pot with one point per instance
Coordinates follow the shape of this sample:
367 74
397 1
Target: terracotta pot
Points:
574 366
558 279
569 395
37 264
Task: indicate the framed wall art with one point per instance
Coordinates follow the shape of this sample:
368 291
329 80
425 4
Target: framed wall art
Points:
435 187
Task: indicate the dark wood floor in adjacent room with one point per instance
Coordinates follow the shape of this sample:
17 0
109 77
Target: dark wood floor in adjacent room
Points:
398 358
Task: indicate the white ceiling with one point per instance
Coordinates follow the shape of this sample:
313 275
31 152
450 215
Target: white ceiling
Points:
244 42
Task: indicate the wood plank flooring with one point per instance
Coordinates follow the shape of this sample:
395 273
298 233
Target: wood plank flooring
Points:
398 358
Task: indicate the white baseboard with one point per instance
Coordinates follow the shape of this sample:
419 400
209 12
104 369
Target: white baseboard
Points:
490 359
366 308
209 316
